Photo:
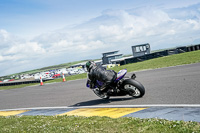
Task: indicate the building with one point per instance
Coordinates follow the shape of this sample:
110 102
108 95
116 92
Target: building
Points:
109 56
140 50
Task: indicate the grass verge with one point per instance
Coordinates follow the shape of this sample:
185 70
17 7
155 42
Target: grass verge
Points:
166 61
93 125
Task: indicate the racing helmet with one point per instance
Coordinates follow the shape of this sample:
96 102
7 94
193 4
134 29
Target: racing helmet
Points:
89 65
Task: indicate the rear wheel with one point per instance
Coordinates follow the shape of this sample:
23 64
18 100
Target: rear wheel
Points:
100 94
134 88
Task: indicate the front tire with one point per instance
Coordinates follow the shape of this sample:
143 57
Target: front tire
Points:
134 88
101 95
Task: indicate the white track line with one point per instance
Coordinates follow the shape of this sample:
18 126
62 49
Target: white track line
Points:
114 106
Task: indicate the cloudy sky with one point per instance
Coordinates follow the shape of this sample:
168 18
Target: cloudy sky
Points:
39 33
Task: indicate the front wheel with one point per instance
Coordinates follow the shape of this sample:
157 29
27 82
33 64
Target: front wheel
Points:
100 94
134 88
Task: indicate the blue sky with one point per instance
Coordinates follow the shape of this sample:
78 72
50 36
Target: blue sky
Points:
35 33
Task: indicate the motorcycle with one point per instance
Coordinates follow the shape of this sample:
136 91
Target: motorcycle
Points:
121 86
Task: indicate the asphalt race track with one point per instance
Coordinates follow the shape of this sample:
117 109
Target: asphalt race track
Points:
172 86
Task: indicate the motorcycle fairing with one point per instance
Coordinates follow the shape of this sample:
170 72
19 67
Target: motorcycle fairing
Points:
121 74
99 83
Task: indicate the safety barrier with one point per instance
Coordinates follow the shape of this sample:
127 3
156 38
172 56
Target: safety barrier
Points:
22 82
161 54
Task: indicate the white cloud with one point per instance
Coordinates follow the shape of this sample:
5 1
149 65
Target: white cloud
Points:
5 39
27 48
4 35
112 30
195 24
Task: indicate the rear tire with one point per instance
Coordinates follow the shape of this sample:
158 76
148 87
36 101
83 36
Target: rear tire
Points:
134 88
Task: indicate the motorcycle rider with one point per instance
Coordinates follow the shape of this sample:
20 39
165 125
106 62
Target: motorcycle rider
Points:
98 72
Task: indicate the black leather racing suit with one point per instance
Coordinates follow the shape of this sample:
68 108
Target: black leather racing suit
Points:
101 74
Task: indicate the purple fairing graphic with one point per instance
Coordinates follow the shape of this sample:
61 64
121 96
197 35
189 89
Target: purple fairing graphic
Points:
121 74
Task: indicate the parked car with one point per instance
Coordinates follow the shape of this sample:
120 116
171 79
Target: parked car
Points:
56 76
6 80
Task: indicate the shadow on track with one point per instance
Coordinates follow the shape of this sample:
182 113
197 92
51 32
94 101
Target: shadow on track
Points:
100 101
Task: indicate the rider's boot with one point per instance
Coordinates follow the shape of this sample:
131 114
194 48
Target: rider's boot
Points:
103 87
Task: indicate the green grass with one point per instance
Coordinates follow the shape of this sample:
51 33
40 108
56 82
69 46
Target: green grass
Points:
172 60
16 86
68 124
73 77
166 61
